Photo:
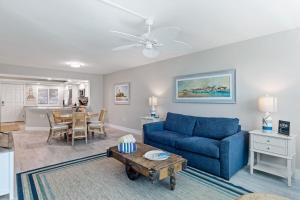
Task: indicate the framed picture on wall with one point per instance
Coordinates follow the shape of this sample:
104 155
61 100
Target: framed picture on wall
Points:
30 97
43 96
53 96
122 93
213 87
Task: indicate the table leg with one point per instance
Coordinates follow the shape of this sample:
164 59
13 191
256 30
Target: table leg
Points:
131 173
251 161
172 181
289 172
293 166
171 171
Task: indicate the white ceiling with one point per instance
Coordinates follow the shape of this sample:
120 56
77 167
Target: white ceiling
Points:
49 33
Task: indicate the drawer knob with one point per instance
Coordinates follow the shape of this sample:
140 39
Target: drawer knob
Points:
268 148
268 140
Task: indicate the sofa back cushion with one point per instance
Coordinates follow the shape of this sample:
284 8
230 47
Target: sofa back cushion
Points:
216 128
182 124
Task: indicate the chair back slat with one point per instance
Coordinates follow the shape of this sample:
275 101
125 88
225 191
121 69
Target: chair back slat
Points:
102 115
79 119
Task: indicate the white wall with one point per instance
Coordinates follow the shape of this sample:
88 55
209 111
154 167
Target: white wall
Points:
269 64
96 81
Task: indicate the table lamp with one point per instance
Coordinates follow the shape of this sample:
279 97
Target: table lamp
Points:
153 103
267 104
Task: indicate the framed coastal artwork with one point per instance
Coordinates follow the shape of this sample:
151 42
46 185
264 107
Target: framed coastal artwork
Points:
53 96
43 95
213 87
30 97
122 93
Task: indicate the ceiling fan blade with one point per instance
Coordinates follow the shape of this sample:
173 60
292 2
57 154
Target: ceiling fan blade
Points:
125 47
183 44
176 47
165 35
127 36
151 52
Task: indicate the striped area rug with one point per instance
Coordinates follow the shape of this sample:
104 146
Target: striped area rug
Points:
99 177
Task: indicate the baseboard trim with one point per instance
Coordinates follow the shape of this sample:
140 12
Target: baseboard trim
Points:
36 128
123 128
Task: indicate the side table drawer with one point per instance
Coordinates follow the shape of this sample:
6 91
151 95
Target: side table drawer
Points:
270 141
270 148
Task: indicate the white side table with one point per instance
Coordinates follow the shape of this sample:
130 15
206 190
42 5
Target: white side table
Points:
148 119
7 176
273 144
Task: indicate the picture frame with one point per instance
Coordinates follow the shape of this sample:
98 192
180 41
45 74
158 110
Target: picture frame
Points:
53 96
217 87
122 93
284 127
30 95
43 96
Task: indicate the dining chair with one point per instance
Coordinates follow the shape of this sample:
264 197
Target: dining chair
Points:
79 128
98 126
56 129
56 115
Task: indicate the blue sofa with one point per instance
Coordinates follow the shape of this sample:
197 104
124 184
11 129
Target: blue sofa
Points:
214 145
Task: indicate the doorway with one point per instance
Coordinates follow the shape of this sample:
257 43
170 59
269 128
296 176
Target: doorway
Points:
12 102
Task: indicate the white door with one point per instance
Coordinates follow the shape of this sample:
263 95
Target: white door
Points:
11 102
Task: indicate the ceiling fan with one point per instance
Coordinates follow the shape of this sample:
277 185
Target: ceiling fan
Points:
151 42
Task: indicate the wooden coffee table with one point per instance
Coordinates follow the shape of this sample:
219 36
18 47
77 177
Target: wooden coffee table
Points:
136 164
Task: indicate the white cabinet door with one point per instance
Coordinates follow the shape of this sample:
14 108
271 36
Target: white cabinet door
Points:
4 173
12 102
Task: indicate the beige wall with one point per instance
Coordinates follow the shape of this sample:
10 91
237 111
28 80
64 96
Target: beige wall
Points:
269 64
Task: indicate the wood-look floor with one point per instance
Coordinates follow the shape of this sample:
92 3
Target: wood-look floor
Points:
32 151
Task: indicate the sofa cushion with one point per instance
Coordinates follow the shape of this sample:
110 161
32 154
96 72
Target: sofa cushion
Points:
200 145
216 128
180 123
168 138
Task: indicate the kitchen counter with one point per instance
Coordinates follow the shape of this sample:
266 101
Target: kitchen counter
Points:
36 117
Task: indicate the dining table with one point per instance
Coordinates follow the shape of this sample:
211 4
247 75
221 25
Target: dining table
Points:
69 117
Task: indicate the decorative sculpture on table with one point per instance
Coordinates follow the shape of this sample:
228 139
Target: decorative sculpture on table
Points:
127 144
83 100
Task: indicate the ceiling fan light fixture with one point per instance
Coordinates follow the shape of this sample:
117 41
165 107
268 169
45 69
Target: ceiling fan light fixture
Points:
149 45
150 53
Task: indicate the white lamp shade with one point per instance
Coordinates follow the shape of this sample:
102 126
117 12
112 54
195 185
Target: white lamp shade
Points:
152 101
267 104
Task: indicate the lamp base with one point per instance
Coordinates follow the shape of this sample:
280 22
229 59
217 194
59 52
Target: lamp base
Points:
152 111
267 126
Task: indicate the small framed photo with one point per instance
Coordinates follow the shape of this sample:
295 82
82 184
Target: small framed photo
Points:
122 93
284 127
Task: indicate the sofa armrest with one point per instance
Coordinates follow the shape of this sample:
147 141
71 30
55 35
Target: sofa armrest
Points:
151 127
234 152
